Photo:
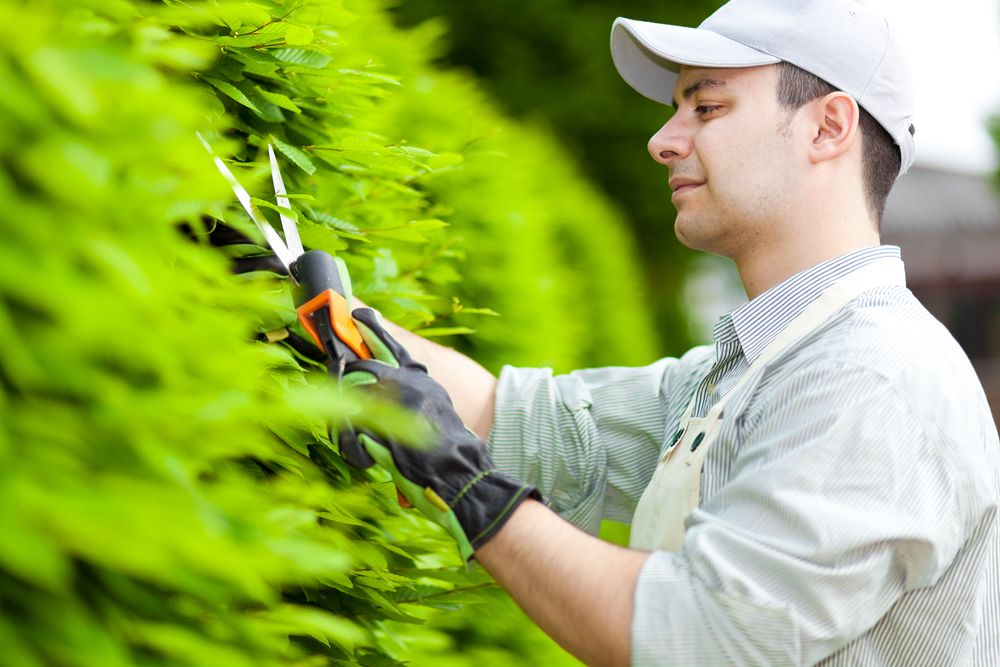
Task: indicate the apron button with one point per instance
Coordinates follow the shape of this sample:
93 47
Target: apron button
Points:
697 440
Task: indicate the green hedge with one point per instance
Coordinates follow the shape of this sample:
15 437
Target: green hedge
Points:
544 248
171 496
550 62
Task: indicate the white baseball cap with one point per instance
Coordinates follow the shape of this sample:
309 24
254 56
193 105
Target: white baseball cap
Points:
850 46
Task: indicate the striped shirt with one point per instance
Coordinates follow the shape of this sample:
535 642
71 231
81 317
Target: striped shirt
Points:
848 506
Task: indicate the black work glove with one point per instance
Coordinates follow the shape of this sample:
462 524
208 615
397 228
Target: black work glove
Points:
456 483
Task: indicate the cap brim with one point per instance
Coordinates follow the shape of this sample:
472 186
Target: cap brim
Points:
649 55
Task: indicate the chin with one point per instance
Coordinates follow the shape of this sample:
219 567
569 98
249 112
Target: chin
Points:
703 235
686 231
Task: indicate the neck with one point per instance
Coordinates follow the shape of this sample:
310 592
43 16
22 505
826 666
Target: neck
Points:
802 246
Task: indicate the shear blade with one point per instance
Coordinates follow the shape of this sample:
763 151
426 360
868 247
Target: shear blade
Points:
273 239
287 224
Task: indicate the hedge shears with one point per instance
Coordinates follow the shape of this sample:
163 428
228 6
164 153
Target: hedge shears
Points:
457 484
321 290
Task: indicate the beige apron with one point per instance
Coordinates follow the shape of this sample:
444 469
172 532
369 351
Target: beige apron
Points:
675 489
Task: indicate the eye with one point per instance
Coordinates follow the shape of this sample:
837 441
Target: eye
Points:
702 110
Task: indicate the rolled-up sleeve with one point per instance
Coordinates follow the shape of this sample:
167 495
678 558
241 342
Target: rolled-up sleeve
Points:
590 439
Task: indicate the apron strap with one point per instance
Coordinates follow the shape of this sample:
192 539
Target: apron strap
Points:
675 488
882 273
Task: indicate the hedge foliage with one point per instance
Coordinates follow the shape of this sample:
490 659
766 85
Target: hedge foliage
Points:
550 62
170 493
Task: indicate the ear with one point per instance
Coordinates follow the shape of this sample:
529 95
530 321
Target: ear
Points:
836 119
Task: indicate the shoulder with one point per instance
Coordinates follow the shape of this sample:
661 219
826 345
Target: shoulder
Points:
886 334
886 360
882 347
883 383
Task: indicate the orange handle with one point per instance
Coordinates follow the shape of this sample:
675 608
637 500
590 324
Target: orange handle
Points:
340 317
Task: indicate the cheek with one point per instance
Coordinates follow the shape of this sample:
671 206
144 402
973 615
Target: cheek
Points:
746 170
724 151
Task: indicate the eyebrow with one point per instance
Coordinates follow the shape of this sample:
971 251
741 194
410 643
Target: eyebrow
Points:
701 84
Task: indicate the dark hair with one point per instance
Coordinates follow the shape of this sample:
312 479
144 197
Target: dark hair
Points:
881 164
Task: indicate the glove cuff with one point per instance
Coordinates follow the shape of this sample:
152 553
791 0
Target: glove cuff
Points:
476 506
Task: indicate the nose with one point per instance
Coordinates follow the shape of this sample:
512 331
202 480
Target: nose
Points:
670 143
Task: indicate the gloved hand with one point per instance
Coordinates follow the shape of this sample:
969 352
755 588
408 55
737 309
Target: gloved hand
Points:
456 484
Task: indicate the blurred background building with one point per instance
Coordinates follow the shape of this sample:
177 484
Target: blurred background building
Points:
947 226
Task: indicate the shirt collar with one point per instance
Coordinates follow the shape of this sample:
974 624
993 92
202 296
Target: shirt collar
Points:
758 322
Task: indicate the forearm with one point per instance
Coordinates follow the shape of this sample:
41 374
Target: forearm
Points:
471 387
577 588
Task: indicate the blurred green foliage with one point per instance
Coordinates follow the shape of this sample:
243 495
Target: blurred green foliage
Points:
171 496
549 63
545 249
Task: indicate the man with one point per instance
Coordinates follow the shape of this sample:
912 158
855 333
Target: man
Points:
818 487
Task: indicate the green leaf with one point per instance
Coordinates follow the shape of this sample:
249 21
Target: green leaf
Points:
340 517
369 75
254 40
339 630
336 579
267 112
433 332
396 550
230 68
299 35
369 554
278 99
236 15
297 157
415 152
366 659
288 212
256 62
338 223
424 225
253 56
320 238
304 57
275 28
231 91
410 231
292 438
363 145
356 185
373 582
479 311
230 18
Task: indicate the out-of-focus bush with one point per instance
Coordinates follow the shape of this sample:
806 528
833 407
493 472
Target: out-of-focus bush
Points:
170 493
549 63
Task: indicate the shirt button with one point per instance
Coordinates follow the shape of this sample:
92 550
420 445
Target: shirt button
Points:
710 388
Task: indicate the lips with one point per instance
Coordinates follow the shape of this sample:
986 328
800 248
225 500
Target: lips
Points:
682 185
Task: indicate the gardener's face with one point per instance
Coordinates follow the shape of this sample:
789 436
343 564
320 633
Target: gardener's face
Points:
732 170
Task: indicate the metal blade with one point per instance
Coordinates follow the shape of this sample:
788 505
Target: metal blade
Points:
287 224
277 245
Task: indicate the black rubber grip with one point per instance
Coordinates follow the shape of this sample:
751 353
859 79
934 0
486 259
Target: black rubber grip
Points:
315 272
